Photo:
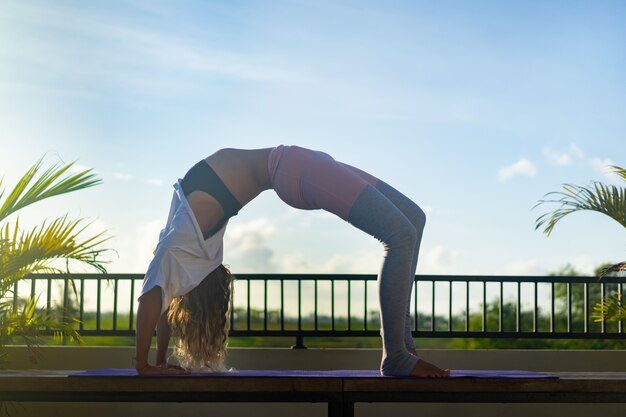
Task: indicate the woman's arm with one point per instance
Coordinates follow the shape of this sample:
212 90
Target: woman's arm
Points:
164 332
148 314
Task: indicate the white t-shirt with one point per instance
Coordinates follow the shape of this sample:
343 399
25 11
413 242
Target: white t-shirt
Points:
182 258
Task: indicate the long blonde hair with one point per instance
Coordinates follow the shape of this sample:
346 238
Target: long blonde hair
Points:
200 321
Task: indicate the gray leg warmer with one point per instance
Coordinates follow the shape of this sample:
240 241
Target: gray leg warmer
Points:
398 223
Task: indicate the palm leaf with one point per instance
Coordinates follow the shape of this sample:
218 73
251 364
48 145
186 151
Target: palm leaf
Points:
38 249
29 189
621 172
606 199
619 267
28 324
612 308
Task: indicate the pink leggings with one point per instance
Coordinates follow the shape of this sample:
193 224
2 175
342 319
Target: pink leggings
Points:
313 180
310 180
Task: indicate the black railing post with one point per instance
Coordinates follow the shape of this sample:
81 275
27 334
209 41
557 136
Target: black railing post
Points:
66 304
299 342
15 297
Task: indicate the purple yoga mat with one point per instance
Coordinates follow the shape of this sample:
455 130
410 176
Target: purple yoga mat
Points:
340 373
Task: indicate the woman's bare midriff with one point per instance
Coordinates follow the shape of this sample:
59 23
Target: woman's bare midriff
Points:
245 174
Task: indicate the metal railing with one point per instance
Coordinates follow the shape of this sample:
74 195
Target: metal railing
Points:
441 306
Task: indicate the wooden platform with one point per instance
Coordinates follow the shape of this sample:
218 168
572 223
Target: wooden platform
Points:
340 393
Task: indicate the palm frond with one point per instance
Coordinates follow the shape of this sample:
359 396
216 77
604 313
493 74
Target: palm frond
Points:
606 199
29 189
619 267
28 324
612 308
621 172
36 250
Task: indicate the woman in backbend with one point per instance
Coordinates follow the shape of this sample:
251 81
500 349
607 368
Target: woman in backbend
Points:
187 289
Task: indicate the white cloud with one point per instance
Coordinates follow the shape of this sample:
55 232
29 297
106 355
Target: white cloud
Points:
558 159
576 151
122 176
521 167
249 249
437 260
293 263
154 181
247 246
585 265
124 53
602 166
366 262
563 158
146 239
95 227
523 267
581 263
251 232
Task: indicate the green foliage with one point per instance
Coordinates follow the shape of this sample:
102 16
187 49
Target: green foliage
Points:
27 323
543 324
567 270
30 189
606 199
39 250
577 311
612 308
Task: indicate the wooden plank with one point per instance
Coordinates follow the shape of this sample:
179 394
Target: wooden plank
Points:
573 386
58 381
568 382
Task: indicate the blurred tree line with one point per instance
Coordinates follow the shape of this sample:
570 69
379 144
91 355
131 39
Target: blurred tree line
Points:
578 315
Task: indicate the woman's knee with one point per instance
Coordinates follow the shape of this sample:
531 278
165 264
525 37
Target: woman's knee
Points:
417 217
420 216
406 235
409 208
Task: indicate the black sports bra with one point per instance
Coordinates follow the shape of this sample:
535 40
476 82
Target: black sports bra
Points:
202 177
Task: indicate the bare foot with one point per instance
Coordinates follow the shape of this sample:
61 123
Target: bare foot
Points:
426 369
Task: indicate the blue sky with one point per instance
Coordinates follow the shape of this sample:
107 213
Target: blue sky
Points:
473 109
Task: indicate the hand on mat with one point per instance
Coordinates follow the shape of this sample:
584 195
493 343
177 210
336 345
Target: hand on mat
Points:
426 369
170 366
162 370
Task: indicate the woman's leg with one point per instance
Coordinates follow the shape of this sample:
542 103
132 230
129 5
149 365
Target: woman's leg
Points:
417 217
313 180
377 215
